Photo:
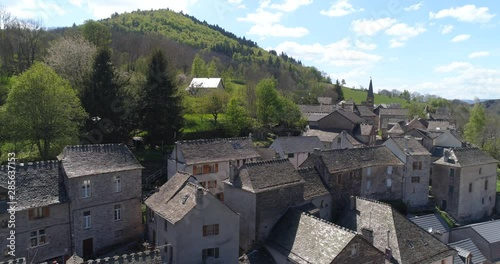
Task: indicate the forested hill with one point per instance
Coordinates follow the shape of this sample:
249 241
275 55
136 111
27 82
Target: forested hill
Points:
239 58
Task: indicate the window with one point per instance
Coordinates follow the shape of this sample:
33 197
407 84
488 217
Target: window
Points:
118 212
37 238
389 183
165 225
38 213
470 187
486 185
452 172
389 170
339 140
210 168
417 165
117 184
339 178
86 189
291 155
415 179
209 230
369 171
210 253
480 170
209 184
450 190
482 200
197 170
87 221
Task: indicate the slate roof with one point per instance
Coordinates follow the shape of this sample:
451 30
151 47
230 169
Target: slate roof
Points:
468 156
490 230
307 239
411 145
143 257
324 136
257 256
348 159
85 160
366 130
431 222
315 117
304 109
217 150
298 144
37 185
350 116
464 247
414 244
325 100
314 186
394 111
396 129
268 174
207 83
365 111
438 126
415 123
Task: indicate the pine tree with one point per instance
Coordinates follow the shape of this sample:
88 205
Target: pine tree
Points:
338 90
160 104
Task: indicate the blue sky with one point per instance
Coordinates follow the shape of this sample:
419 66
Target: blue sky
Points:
447 48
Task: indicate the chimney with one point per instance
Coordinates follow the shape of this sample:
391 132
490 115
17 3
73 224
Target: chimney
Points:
232 171
352 203
388 254
317 151
446 155
199 195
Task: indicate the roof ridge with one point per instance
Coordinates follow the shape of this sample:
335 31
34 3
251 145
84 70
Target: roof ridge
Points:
308 168
266 162
330 223
135 256
94 147
32 165
372 200
208 140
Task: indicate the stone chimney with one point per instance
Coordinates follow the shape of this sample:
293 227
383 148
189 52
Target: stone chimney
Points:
199 195
232 171
446 155
352 203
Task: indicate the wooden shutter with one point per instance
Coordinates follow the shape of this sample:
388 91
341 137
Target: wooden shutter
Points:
216 229
216 167
194 170
31 214
204 230
46 211
206 169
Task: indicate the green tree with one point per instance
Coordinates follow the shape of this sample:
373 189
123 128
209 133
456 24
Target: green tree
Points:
103 100
199 68
160 105
237 118
97 33
475 128
215 102
415 110
289 114
267 101
405 95
46 110
212 69
338 90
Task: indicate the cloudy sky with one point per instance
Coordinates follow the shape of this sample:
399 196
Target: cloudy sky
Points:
448 48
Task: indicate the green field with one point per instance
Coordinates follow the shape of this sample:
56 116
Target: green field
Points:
201 122
359 96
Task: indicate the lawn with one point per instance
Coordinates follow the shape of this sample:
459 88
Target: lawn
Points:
359 96
201 122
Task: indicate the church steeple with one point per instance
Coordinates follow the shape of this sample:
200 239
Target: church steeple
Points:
370 98
370 90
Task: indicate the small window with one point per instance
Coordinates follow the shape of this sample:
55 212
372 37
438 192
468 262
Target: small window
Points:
482 200
486 185
197 170
450 190
37 238
291 155
86 192
209 230
87 221
339 179
354 250
452 172
38 213
415 179
339 140
118 212
389 170
209 253
480 170
117 184
389 183
165 225
417 165
470 187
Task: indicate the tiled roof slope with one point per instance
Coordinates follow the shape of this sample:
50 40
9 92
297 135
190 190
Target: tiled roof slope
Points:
365 111
324 136
37 184
299 144
468 156
216 150
414 245
366 129
351 116
262 175
349 159
304 109
438 126
464 247
85 160
325 100
396 129
307 239
431 222
314 186
394 111
411 145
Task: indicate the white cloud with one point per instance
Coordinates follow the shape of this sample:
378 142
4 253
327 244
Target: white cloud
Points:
403 31
36 9
290 5
396 44
77 3
340 8
446 29
466 13
235 2
370 27
460 38
479 54
454 66
414 7
277 30
365 46
338 54
261 17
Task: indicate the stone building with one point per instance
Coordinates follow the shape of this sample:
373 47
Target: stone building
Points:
402 240
301 238
191 224
103 183
417 162
296 149
317 198
464 183
388 117
333 140
42 227
208 160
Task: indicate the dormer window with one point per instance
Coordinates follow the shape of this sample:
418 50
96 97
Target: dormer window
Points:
354 250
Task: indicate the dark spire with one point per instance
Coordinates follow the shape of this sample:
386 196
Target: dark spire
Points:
370 89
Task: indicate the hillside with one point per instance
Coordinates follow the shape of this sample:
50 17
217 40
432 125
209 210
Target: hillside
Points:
359 96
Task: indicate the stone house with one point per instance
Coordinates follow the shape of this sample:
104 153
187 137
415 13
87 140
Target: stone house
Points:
103 183
443 139
208 160
402 240
191 224
333 140
301 238
485 236
464 183
434 224
417 168
373 172
366 133
366 113
389 117
42 227
260 192
339 120
316 194
296 149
